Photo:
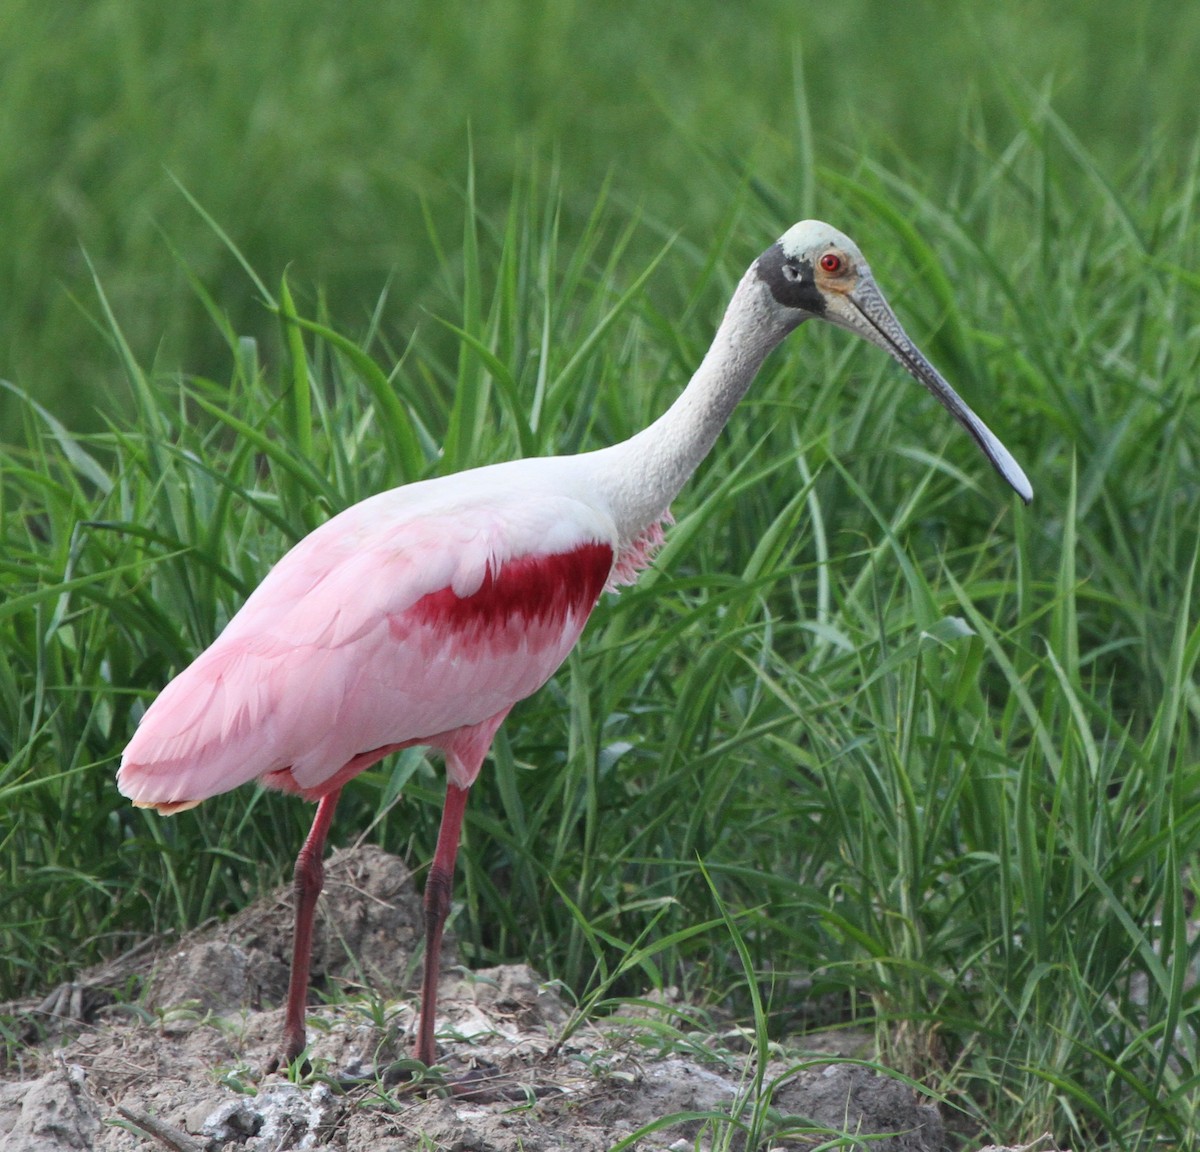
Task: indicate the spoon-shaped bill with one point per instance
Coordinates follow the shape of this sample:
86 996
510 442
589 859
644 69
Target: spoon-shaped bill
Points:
866 312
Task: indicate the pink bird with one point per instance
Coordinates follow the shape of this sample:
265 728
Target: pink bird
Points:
423 614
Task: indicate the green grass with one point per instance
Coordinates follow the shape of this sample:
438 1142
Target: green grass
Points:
932 752
320 132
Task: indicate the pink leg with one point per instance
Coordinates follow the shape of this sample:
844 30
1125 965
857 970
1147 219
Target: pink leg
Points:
437 905
309 877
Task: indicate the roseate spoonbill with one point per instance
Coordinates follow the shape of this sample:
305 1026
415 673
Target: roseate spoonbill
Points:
423 614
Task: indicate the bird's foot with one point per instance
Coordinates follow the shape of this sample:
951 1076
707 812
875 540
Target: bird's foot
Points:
291 1061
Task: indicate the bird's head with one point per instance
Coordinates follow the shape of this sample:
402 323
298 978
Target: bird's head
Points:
813 271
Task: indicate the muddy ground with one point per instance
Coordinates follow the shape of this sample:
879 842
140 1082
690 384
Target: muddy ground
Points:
181 1065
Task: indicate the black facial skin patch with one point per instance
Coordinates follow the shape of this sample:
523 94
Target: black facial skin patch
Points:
791 281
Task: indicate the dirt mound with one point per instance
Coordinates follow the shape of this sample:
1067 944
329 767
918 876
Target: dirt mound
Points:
181 1069
368 935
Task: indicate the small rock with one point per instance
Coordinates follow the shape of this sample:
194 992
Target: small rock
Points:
199 1115
232 1120
52 1114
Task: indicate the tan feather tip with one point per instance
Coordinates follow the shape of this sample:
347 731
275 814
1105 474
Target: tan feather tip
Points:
166 809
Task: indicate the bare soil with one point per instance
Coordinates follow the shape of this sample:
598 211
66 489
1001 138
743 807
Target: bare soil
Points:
181 1066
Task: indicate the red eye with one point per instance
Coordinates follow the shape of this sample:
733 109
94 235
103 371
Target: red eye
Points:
831 262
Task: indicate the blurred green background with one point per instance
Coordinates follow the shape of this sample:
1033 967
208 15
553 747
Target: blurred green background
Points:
319 134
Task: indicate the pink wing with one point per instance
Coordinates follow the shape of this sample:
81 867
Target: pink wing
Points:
375 631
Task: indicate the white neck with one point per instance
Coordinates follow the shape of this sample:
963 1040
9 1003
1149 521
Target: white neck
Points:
642 475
